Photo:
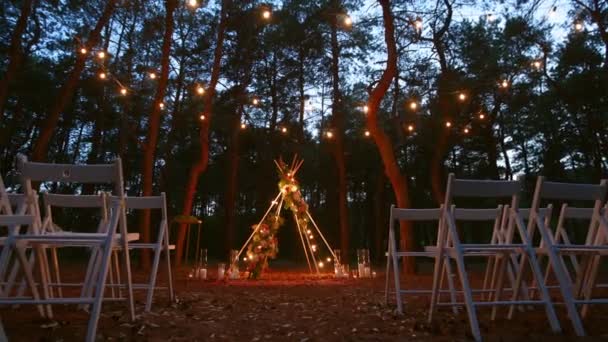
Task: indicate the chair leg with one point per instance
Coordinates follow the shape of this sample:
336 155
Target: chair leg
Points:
439 260
450 276
490 269
152 283
42 267
589 284
169 271
387 272
396 271
468 297
56 269
567 293
544 293
118 271
27 272
88 286
499 284
101 277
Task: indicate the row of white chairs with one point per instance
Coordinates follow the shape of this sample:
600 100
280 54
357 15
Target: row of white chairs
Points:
520 242
34 238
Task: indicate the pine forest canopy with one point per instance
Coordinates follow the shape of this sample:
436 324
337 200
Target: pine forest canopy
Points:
382 99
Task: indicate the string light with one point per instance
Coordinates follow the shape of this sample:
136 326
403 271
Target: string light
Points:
101 55
310 237
244 258
193 3
348 21
284 130
243 125
328 259
321 264
102 75
537 64
504 84
482 116
202 117
466 130
161 105
329 134
152 75
266 14
410 128
123 91
578 26
462 96
448 124
365 109
83 51
255 101
308 231
200 90
366 133
413 105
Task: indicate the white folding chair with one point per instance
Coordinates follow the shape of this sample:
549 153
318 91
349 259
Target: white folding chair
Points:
413 216
506 217
575 291
114 233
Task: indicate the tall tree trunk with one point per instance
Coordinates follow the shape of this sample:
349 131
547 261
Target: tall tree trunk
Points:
201 164
67 89
15 54
385 147
230 196
149 147
338 126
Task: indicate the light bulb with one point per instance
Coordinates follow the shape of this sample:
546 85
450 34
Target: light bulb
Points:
466 131
266 14
578 26
413 105
243 125
505 84
365 109
200 90
482 116
329 135
537 64
202 117
101 55
123 91
161 105
348 21
284 129
410 128
102 75
462 96
152 75
308 231
448 124
328 259
310 237
192 3
367 134
83 51
255 101
321 264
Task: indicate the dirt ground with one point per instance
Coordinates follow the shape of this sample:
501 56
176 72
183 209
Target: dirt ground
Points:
287 306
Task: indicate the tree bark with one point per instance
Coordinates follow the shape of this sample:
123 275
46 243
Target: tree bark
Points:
15 54
201 164
382 141
149 147
66 91
338 127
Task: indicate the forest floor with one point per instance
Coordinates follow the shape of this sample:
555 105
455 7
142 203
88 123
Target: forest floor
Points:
287 306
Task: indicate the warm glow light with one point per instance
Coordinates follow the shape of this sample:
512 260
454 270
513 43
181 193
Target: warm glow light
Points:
192 3
365 109
418 23
367 134
413 105
83 51
578 26
466 131
102 75
152 75
410 128
329 135
244 258
308 231
311 237
255 101
202 117
321 264
537 64
448 124
123 91
101 55
284 129
348 21
243 125
161 105
462 96
505 84
482 116
200 90
328 259
266 14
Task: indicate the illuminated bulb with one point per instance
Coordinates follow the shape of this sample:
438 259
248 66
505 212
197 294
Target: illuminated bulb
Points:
244 258
365 109
101 55
308 231
536 64
366 133
83 51
311 237
294 188
161 105
348 21
504 84
466 131
462 96
266 14
314 248
482 116
328 259
284 129
243 125
202 117
255 101
123 91
410 128
329 135
152 75
192 3
413 105
102 75
578 26
418 23
321 264
448 124
200 90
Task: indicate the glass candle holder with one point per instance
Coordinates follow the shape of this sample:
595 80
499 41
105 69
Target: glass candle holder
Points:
221 270
337 264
